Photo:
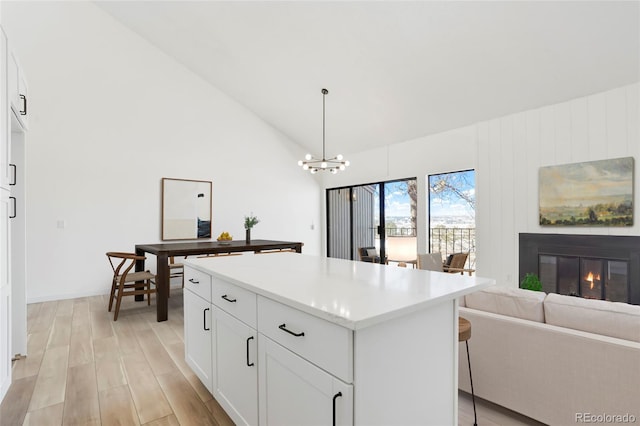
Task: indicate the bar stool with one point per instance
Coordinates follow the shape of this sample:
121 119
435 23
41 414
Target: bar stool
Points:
464 333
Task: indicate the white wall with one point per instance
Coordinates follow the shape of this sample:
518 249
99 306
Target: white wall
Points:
513 148
506 154
110 115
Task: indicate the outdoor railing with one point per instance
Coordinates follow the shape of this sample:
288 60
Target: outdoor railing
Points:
445 241
400 232
454 240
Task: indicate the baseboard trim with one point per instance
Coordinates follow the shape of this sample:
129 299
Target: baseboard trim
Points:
54 297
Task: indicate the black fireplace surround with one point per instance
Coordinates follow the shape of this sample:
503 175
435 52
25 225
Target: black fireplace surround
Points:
563 262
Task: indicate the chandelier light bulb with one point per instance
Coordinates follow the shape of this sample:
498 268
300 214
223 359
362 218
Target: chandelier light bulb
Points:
342 167
299 162
305 167
339 157
308 157
323 165
346 163
313 171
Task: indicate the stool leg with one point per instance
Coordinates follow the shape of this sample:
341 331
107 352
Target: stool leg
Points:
473 397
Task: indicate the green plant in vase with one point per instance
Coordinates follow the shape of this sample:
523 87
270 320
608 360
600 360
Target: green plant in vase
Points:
531 282
249 222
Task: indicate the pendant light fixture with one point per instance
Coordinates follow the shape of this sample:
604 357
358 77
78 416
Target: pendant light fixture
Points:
315 165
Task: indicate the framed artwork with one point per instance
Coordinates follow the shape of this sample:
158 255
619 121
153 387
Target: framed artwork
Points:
593 193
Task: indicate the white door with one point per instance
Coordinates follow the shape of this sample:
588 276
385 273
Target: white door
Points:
5 127
5 295
236 377
197 337
18 249
297 392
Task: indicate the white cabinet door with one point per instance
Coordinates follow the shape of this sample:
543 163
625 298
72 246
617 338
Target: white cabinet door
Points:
197 337
5 296
13 79
297 392
5 126
17 89
236 375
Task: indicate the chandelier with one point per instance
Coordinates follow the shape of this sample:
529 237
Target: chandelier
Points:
314 165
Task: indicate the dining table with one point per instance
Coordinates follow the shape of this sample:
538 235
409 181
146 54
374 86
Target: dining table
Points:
164 251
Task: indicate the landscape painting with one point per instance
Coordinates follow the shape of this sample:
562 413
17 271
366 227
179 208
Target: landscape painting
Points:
594 193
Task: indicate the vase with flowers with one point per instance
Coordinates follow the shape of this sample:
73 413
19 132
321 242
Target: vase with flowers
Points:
249 222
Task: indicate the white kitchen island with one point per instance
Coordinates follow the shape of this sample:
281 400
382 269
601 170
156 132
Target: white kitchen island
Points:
291 339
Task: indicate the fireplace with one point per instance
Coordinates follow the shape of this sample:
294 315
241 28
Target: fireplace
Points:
591 266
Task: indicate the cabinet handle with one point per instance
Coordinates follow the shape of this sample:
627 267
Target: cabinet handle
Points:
15 212
339 394
248 363
204 319
283 327
225 297
194 281
13 181
24 102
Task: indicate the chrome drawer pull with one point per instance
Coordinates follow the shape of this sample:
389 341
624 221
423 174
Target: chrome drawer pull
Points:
283 327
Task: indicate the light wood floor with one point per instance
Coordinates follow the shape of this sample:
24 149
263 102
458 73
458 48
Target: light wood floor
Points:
85 369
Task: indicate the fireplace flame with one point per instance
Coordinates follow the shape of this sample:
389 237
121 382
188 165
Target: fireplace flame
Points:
590 277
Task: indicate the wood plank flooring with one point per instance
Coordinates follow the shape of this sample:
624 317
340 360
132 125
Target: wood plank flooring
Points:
85 369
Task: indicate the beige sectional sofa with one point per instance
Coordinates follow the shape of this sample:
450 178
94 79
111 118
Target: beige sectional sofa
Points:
558 359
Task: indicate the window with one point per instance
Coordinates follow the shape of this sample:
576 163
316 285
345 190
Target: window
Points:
452 214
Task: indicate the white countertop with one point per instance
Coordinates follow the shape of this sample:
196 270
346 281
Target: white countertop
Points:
352 294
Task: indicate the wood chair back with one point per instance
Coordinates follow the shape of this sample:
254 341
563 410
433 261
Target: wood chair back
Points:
455 263
457 260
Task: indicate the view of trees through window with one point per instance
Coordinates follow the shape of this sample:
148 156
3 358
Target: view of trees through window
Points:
452 214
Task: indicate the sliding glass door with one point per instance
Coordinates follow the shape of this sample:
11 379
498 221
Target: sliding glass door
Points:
400 242
373 222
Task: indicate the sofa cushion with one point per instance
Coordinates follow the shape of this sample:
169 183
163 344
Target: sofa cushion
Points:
612 319
514 302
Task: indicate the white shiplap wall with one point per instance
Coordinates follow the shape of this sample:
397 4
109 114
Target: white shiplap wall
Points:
511 150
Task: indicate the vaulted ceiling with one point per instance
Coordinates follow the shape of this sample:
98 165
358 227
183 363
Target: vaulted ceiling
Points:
394 70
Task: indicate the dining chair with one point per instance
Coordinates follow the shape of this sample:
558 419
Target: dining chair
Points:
127 283
430 262
176 270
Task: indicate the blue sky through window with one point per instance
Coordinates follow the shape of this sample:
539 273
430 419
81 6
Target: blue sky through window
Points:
452 194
